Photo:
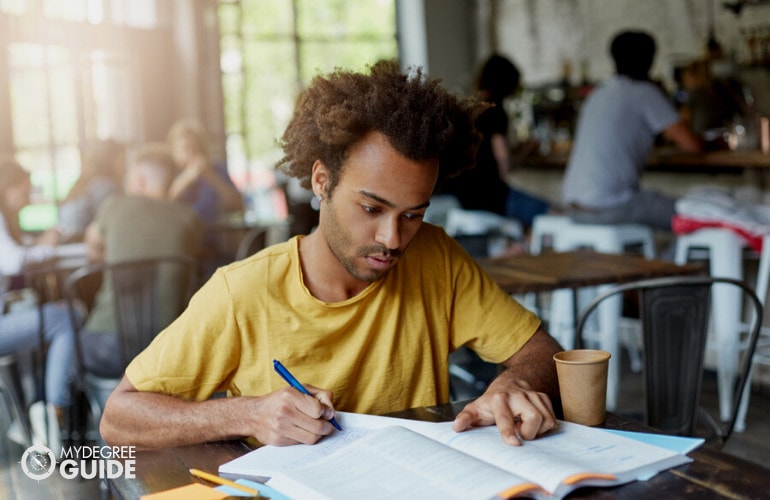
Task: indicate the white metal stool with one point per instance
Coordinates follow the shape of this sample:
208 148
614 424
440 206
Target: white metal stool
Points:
724 249
564 235
762 352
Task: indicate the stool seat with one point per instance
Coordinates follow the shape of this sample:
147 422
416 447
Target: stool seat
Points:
565 235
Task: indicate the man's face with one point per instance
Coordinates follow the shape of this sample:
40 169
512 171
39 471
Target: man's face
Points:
376 207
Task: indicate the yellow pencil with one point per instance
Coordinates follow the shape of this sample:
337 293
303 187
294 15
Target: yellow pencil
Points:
220 480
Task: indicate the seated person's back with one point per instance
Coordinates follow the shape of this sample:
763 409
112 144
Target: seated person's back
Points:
143 224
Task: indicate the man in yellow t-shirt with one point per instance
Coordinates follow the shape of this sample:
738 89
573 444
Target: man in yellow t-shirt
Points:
366 308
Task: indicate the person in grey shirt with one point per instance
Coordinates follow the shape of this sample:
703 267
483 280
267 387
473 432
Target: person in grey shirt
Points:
616 130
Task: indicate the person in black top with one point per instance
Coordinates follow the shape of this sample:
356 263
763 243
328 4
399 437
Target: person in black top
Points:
484 187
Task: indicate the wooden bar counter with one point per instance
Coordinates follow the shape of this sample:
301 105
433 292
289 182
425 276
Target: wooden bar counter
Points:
666 159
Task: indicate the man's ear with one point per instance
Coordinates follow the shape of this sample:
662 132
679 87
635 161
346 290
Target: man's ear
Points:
319 179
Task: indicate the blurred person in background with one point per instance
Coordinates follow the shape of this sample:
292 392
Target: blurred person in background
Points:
141 224
100 177
20 328
199 182
616 130
485 187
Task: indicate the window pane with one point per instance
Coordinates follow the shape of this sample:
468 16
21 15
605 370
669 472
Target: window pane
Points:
233 93
316 58
267 17
269 95
114 105
231 58
135 13
264 52
29 95
71 10
13 6
229 19
342 18
63 96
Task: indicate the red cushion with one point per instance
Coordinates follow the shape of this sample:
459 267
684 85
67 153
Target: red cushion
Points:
682 225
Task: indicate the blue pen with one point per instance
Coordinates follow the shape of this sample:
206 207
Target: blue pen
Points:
289 378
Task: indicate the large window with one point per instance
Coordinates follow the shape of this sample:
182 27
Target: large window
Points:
271 49
71 81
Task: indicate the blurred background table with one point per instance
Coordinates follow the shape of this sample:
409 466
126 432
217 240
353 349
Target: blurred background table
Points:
554 270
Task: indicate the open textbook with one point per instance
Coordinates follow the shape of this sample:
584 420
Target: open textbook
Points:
382 457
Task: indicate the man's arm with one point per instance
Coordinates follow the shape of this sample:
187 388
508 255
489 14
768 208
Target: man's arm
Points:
152 420
683 136
230 199
519 399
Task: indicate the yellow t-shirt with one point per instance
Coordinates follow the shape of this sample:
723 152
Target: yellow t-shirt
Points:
383 350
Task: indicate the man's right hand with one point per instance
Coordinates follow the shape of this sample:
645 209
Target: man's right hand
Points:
151 420
287 417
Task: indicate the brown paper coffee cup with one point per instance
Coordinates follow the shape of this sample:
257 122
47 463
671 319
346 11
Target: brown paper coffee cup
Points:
583 384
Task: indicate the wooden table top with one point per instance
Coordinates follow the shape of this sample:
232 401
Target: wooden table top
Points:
552 270
712 473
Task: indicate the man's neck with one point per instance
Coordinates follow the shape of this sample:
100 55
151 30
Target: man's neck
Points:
323 275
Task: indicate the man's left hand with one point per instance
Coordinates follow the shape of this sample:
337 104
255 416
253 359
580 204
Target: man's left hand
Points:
519 412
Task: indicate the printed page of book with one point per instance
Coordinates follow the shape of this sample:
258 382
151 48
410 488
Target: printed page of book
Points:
267 460
566 458
573 454
395 462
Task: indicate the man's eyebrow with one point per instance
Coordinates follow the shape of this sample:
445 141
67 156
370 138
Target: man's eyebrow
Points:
387 203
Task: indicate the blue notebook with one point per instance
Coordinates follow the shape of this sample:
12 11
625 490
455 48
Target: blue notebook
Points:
264 490
679 444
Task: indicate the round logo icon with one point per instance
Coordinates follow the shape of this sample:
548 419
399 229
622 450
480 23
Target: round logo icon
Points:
38 462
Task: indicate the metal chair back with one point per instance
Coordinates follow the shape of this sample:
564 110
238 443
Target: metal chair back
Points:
254 240
674 314
147 295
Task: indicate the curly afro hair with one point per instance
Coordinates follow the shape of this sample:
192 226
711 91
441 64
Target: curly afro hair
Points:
421 120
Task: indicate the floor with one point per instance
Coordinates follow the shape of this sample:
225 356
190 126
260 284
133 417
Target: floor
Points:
14 485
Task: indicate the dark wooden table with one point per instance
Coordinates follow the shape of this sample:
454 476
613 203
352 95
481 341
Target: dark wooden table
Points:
712 474
577 269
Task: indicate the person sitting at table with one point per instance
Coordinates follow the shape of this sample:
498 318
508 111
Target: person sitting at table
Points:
199 182
367 308
20 328
616 129
141 224
100 178
485 187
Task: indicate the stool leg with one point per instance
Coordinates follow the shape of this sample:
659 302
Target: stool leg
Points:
609 340
726 317
763 280
560 318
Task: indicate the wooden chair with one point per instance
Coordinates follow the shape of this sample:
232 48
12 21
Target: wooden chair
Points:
138 288
674 313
